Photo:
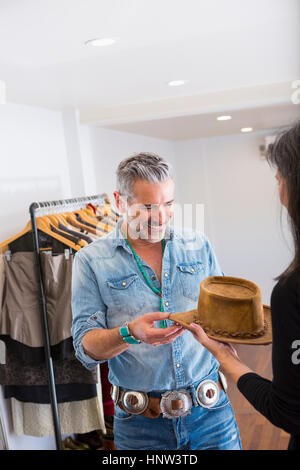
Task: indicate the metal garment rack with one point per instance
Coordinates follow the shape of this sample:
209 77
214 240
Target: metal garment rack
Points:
43 208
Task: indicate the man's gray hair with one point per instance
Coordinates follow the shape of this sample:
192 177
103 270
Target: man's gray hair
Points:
145 166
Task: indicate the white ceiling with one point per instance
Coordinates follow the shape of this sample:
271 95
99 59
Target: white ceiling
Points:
221 47
195 126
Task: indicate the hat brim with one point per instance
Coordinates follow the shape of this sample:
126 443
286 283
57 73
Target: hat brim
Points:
186 318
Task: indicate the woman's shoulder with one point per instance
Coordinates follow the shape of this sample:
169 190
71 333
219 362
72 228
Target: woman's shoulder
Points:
286 293
290 282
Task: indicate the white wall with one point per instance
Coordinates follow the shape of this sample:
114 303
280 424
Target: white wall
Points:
241 205
34 167
33 163
109 147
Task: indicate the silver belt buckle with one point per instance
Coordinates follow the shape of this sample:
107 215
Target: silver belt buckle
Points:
207 393
166 403
134 402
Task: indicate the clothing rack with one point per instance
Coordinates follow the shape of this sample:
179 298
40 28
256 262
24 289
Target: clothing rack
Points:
51 207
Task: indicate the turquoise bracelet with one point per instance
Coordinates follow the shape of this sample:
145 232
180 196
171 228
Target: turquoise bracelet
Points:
127 337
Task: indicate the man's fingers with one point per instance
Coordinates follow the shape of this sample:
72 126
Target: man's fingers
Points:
161 333
154 316
170 338
175 335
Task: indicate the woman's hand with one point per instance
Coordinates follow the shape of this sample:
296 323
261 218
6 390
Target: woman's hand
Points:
225 353
217 348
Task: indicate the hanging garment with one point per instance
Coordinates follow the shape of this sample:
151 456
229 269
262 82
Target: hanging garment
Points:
30 355
105 210
72 220
75 417
108 404
41 393
25 243
94 225
21 317
77 240
66 371
82 235
2 277
57 281
103 214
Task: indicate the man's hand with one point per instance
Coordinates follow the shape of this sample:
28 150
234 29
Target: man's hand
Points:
142 328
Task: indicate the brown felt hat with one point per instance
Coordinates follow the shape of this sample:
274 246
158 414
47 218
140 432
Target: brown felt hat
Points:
230 309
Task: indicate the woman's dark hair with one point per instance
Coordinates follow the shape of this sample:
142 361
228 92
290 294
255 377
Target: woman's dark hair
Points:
284 155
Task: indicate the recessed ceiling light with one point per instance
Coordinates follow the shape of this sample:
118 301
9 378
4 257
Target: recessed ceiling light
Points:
224 118
247 129
177 82
100 42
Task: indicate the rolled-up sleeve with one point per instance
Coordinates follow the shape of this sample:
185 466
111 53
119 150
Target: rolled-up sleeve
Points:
88 308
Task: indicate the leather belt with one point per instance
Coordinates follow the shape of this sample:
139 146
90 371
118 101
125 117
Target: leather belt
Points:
171 404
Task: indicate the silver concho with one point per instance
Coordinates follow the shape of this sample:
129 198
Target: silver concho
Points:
166 403
115 393
223 381
207 393
135 402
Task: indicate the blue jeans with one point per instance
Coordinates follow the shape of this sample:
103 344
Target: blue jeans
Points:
204 428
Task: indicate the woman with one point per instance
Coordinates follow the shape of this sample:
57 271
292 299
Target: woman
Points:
277 400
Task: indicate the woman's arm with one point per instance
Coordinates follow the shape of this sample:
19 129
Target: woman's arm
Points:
278 400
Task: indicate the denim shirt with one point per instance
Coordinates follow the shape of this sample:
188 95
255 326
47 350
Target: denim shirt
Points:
109 289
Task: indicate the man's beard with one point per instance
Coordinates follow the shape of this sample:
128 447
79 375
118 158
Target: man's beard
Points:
148 231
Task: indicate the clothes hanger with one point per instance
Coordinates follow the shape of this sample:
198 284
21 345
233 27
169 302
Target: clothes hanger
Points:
105 226
44 225
71 218
90 212
105 217
4 245
107 210
61 219
53 220
96 231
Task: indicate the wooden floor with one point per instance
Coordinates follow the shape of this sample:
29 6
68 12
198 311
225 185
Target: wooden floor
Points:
256 432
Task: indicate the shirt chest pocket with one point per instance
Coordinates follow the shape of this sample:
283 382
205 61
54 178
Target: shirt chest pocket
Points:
190 276
125 294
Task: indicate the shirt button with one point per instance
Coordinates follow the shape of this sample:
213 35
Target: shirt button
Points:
124 283
177 365
166 274
95 317
166 303
153 278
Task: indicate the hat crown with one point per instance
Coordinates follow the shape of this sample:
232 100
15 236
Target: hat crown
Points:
230 305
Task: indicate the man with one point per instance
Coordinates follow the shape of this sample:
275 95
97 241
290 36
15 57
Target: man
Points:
167 390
